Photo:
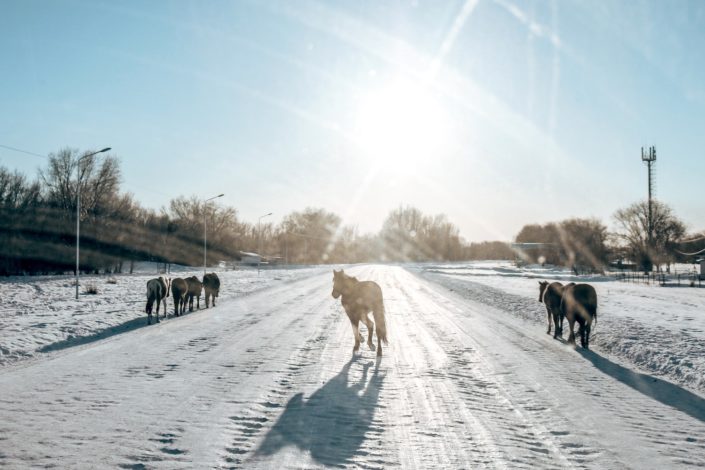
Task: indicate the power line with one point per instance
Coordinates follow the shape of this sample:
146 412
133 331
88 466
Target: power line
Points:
690 254
692 240
22 151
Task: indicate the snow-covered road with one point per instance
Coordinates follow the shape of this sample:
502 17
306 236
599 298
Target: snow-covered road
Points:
267 381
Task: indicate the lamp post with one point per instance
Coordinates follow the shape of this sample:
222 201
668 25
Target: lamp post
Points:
78 208
259 230
204 229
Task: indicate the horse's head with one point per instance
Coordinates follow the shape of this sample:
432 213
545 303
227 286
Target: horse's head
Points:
542 289
339 281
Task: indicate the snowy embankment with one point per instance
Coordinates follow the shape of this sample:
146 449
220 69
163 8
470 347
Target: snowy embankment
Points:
660 330
40 313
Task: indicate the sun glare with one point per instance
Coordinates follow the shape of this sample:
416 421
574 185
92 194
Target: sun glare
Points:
401 126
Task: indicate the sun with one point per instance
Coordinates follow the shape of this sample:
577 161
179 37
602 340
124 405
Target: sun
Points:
401 126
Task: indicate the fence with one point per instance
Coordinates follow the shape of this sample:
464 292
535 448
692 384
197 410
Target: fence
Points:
680 279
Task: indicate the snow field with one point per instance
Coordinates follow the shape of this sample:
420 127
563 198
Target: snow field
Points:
660 330
267 381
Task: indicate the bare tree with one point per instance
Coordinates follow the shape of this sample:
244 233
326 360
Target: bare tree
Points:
633 233
99 178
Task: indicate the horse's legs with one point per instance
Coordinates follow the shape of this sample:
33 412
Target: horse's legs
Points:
571 325
557 331
159 301
548 317
198 302
356 334
207 293
370 330
586 342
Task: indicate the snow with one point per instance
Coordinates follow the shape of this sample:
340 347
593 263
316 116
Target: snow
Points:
268 380
660 330
41 313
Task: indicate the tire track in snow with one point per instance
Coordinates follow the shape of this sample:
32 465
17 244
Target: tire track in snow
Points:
504 437
197 370
275 431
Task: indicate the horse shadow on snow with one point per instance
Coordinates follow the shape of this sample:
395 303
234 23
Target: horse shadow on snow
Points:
331 425
660 390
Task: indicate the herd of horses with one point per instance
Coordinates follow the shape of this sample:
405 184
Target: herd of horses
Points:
574 302
183 292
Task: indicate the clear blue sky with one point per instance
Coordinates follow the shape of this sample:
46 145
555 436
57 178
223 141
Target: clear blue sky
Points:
496 113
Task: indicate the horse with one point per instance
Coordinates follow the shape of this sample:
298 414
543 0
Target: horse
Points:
179 289
194 290
157 290
551 295
579 303
211 284
358 299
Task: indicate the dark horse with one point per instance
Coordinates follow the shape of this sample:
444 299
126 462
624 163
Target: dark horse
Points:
194 290
359 299
157 291
211 284
179 290
579 304
551 295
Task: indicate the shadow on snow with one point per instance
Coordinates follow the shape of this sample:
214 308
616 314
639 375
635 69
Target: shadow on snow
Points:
124 327
333 422
658 389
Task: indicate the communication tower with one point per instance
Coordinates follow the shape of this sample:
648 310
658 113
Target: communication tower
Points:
649 157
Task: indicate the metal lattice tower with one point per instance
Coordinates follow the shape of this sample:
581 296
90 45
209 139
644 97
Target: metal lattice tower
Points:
649 157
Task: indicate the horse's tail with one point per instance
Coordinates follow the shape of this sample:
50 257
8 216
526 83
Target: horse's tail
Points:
380 323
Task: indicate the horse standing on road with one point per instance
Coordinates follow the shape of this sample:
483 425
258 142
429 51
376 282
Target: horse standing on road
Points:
179 290
551 295
211 284
157 290
194 290
579 303
358 299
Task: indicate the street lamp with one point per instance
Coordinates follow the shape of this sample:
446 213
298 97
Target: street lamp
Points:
204 229
259 229
78 208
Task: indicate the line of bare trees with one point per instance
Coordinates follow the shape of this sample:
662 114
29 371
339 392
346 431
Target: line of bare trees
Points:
587 243
37 229
38 223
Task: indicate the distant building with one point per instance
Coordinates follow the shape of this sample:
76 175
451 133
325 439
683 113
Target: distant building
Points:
250 259
536 253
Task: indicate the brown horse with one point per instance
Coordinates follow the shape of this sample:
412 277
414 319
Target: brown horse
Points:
211 284
179 290
551 295
579 304
157 290
359 298
194 290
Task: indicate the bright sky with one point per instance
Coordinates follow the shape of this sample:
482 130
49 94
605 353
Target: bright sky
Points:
494 112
